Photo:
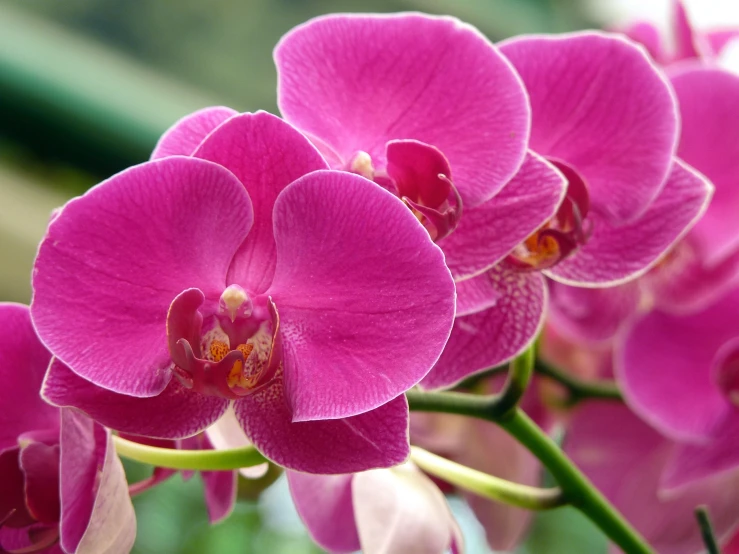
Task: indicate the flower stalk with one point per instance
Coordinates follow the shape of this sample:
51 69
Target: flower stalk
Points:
199 460
577 389
709 537
489 486
577 489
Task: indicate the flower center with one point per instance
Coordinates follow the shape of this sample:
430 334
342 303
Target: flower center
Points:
420 175
564 233
231 352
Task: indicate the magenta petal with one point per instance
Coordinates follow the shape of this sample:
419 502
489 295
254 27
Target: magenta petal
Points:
114 259
614 254
324 503
266 154
378 438
710 142
23 362
648 36
220 493
40 464
665 365
592 315
625 459
599 104
97 514
720 39
359 81
185 136
694 462
174 413
401 510
495 335
12 490
488 232
688 43
30 539
366 302
219 487
479 293
688 284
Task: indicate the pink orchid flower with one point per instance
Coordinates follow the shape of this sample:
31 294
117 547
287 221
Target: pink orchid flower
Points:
688 42
62 487
680 374
626 459
389 511
246 274
606 117
429 109
629 200
705 263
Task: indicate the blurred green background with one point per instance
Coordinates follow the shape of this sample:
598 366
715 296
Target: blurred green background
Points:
87 87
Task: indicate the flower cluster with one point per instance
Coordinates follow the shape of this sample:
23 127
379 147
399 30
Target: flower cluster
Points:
428 205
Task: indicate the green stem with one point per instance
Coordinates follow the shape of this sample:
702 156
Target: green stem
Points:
519 376
577 489
578 390
473 380
200 460
709 537
482 484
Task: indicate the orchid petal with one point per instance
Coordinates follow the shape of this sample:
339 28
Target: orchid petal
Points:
648 36
220 493
266 154
592 315
378 438
12 490
401 510
179 412
495 335
114 259
624 459
694 462
219 487
359 81
40 464
721 39
479 293
687 284
488 232
183 138
665 365
355 271
97 514
34 538
599 104
688 43
710 142
617 253
23 361
324 503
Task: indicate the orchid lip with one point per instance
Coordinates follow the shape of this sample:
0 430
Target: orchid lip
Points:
230 354
418 174
561 236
